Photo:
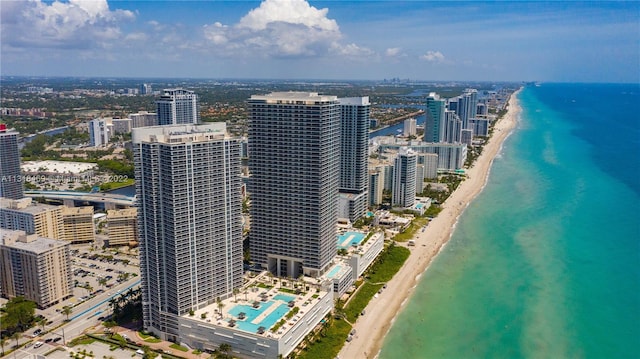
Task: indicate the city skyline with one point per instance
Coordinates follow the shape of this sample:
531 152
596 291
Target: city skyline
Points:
505 41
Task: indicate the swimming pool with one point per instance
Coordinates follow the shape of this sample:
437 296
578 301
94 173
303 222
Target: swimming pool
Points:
349 239
252 313
335 270
283 297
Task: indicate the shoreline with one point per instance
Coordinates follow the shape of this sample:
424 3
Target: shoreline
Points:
382 311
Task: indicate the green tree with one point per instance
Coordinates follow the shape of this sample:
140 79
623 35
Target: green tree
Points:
66 310
102 281
18 315
220 306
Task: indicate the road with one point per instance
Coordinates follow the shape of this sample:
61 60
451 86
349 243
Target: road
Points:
83 317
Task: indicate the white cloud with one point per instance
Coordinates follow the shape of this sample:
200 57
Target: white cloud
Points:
393 51
72 24
282 28
433 56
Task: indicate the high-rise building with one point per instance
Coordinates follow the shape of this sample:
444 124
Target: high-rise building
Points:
121 125
178 106
123 226
480 126
143 119
376 185
11 184
189 217
466 136
99 132
452 127
78 224
420 170
34 267
409 127
404 180
430 163
465 106
294 160
33 218
435 118
145 89
354 155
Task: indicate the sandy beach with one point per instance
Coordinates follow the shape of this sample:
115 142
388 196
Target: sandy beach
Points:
381 311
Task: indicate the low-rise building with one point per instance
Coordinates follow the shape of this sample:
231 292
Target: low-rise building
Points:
78 224
257 323
123 227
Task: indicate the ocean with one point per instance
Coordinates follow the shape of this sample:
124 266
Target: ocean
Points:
545 262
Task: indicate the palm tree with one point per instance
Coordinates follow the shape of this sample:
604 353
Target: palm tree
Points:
3 341
66 310
16 336
235 294
220 306
102 282
89 289
42 321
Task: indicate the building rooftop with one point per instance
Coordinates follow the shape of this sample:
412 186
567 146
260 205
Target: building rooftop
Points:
60 167
299 98
122 213
25 205
29 242
180 133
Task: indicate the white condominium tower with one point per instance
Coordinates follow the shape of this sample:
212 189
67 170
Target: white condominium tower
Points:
294 160
354 155
404 181
177 106
188 189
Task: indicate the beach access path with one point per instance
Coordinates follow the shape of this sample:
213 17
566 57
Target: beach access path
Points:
372 327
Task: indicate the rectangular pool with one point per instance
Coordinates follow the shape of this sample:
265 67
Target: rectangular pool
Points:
349 239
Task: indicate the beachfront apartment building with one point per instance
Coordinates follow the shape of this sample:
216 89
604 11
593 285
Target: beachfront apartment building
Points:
404 178
123 227
434 124
294 161
78 224
177 106
260 322
188 190
430 163
354 147
11 184
480 126
35 267
376 185
452 127
33 218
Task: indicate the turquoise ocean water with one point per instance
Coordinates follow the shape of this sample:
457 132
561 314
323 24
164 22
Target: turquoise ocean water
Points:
545 263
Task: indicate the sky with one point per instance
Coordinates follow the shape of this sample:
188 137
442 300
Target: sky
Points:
558 41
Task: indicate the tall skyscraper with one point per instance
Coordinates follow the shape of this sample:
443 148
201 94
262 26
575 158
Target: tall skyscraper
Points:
434 123
177 106
465 106
99 132
404 181
189 216
452 127
294 160
354 155
10 175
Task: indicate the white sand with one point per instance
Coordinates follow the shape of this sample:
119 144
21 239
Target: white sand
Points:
381 311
